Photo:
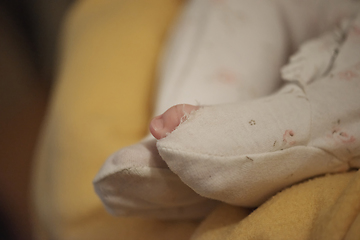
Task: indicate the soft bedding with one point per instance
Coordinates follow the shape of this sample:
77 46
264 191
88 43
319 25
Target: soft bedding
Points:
101 103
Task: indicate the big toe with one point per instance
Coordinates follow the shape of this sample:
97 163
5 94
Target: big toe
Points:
167 122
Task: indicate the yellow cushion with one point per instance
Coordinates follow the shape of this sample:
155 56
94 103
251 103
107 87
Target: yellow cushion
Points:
101 102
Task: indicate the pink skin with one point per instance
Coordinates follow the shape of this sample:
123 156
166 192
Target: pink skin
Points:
165 123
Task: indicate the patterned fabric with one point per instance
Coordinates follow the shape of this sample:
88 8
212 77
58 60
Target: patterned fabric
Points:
252 145
246 152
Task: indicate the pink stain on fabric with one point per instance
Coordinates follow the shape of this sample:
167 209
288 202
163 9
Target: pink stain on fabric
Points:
288 137
347 75
346 138
355 30
342 137
226 77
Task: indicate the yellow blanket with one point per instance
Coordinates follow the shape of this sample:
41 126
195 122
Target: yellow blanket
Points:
323 208
102 102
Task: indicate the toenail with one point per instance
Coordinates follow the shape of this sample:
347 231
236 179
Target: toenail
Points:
157 123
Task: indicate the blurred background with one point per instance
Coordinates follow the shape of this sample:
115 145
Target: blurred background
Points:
29 34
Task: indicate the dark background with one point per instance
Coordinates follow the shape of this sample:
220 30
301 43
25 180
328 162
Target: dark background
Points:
29 35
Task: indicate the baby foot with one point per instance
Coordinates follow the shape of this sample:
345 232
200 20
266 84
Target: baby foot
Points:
244 153
135 181
167 122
